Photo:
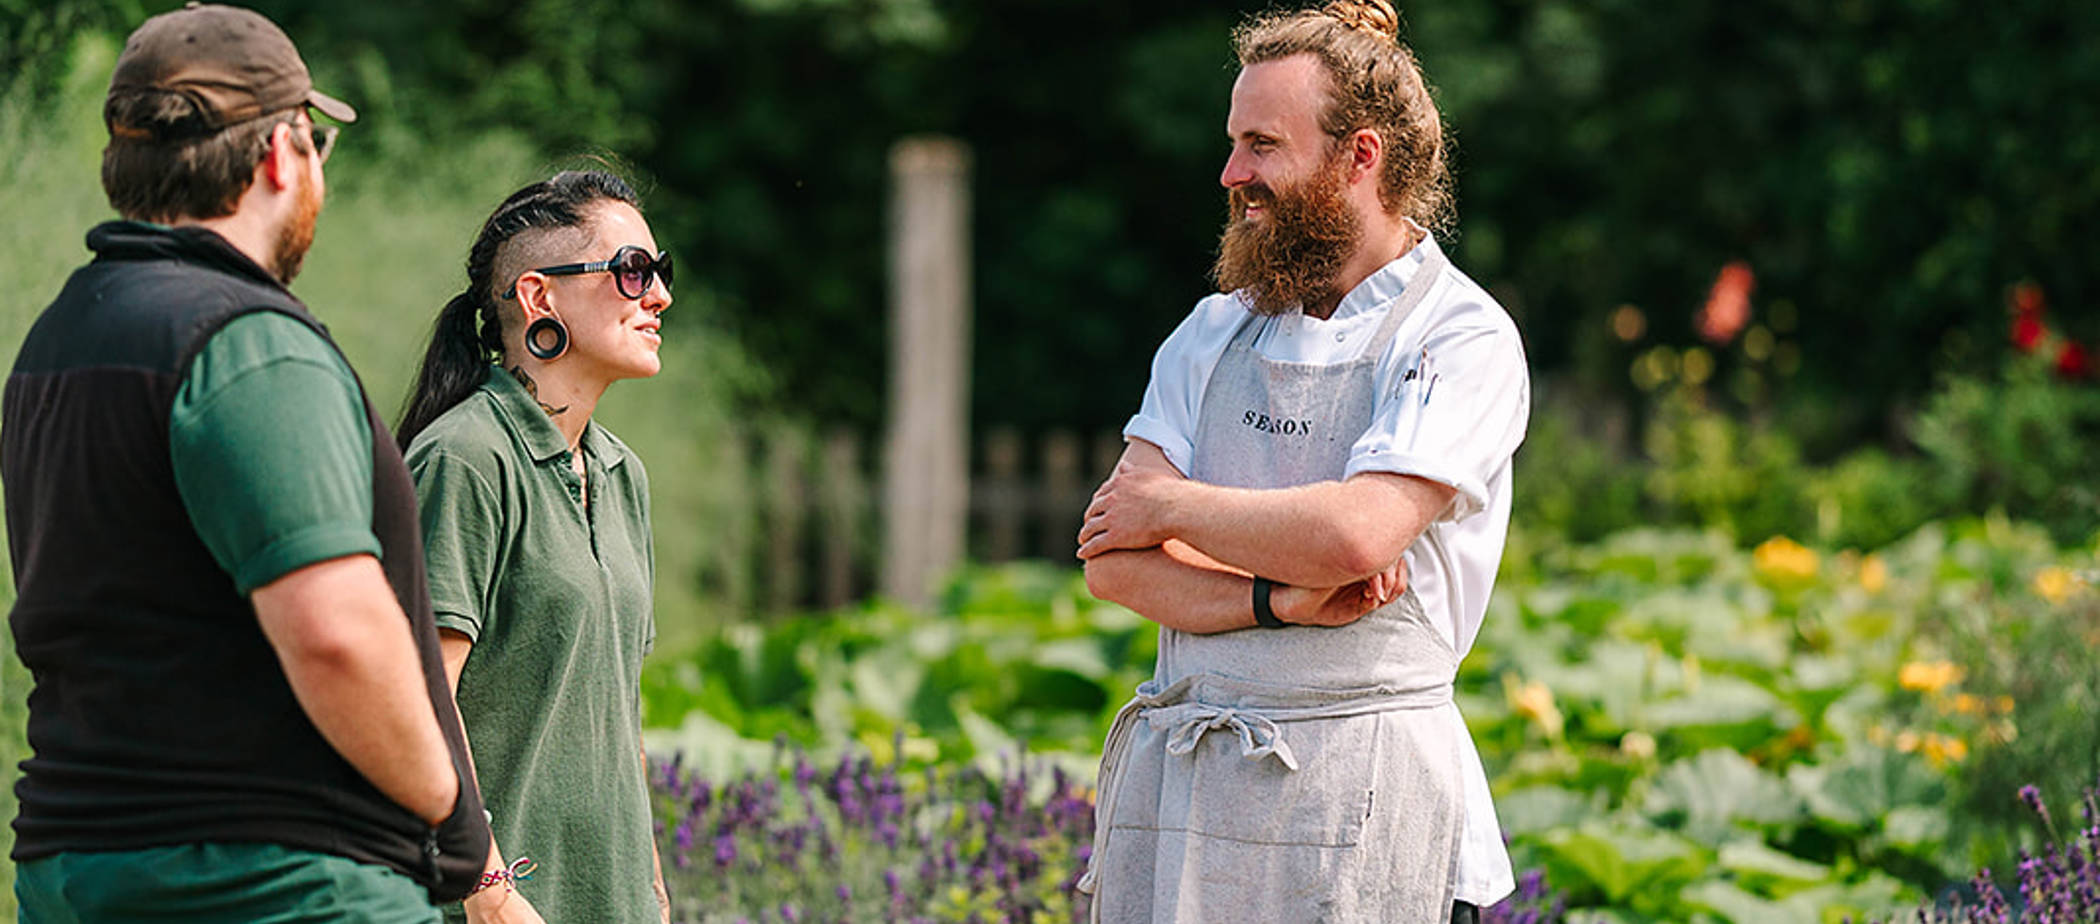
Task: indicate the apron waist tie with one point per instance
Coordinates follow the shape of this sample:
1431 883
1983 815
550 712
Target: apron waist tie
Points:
1186 721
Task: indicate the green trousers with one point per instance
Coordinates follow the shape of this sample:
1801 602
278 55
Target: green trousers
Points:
201 883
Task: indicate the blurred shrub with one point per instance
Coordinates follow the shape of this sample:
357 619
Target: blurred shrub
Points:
1871 498
1715 470
1572 485
2023 440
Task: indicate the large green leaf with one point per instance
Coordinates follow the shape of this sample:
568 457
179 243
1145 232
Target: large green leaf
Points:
1866 785
1731 903
1543 808
1712 796
1768 872
1634 866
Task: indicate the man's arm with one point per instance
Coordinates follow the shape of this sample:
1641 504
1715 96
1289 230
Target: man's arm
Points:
347 652
1325 534
1165 588
1181 588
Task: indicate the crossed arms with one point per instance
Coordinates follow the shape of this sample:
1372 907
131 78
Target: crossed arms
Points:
1183 553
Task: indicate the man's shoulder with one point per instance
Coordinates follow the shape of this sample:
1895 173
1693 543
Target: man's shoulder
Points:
267 350
1212 321
1462 304
1220 308
261 334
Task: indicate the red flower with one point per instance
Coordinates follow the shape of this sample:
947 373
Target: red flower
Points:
1727 309
2027 332
2072 362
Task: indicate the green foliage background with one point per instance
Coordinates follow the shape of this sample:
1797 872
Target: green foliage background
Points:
1887 167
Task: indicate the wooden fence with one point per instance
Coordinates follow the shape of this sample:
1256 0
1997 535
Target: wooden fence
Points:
811 506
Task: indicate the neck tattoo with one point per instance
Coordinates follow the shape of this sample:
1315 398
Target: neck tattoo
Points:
533 388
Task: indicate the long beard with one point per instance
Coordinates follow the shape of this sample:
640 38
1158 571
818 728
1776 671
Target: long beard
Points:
296 235
1295 254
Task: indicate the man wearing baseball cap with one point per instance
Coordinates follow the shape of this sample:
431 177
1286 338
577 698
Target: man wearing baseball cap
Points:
240 712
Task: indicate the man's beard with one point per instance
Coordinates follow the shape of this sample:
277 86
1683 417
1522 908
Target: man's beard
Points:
296 234
1294 255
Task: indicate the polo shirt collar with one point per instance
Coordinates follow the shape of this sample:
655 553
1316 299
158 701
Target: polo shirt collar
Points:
601 445
541 437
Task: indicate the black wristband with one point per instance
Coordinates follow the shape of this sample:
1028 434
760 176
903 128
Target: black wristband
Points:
1263 615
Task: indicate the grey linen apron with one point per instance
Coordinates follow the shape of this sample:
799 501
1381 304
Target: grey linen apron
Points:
1331 791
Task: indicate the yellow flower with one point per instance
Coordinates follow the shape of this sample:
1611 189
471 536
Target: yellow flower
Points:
1534 701
1929 676
1967 704
1907 741
2004 704
1873 574
1638 745
1942 750
1783 561
2054 584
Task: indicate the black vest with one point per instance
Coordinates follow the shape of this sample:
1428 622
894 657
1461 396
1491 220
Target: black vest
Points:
160 713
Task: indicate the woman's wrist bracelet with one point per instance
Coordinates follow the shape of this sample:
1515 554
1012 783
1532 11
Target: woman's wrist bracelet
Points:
519 869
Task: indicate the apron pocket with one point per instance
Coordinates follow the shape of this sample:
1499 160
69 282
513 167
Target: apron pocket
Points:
1323 803
1215 791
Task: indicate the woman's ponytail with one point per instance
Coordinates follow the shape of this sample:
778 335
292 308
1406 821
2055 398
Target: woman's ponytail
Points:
452 366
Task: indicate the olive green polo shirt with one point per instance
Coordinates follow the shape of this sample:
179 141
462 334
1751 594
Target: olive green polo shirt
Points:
556 596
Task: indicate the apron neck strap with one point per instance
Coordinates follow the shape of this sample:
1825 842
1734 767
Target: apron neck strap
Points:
1418 287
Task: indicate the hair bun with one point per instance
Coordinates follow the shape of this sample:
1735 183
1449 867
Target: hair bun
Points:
1369 15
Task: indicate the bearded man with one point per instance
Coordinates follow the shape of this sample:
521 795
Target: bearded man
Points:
240 712
1312 505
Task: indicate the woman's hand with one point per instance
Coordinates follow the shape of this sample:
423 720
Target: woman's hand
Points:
501 905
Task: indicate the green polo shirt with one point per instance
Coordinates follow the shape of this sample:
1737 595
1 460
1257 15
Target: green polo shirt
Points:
556 596
272 451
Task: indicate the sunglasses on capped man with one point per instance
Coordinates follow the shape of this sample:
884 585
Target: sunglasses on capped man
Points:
631 266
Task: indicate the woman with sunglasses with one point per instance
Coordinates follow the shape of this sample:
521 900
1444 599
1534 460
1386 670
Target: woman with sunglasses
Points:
536 533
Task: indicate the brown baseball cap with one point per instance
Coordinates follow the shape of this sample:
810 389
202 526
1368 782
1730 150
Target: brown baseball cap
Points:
234 63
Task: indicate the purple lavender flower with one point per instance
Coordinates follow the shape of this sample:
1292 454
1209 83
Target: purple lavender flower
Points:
2032 795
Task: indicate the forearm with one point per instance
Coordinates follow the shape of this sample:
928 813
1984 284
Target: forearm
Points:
1172 592
483 905
346 651
1324 534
